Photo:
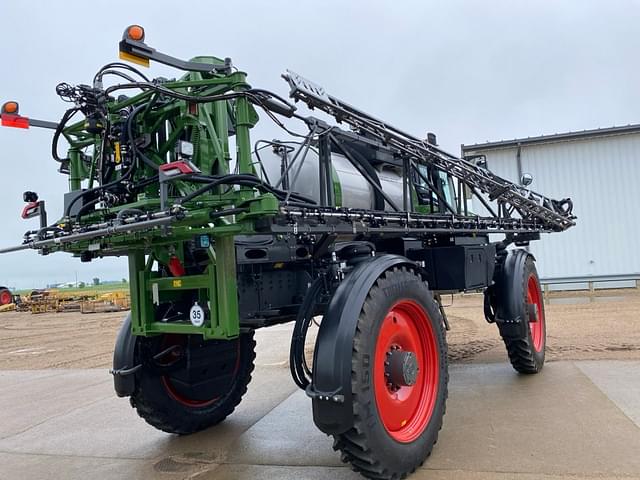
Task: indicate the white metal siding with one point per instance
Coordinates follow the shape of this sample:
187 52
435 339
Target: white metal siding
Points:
600 174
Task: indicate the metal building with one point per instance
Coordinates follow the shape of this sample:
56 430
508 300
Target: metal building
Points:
599 169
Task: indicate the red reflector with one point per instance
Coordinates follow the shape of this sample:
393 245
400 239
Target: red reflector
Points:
31 210
175 267
179 167
16 121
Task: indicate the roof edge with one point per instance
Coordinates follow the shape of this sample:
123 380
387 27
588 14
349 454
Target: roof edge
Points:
557 137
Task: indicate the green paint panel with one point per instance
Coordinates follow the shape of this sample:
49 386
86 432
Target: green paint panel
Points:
161 122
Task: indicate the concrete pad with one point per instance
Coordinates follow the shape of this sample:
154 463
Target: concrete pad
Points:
108 427
286 436
464 475
272 345
620 381
35 397
20 377
38 467
269 472
554 423
499 425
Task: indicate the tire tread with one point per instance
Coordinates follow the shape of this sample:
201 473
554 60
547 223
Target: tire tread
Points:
353 445
168 421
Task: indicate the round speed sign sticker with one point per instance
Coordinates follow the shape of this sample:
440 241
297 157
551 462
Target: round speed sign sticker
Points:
196 315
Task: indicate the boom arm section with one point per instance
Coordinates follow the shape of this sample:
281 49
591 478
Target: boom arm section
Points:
550 214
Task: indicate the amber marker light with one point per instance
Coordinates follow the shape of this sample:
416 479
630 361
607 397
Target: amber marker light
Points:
135 33
10 108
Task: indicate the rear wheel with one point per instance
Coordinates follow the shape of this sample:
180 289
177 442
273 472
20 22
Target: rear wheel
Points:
524 333
399 378
187 384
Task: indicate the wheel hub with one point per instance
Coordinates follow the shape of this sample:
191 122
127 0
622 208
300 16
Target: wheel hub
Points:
401 368
406 370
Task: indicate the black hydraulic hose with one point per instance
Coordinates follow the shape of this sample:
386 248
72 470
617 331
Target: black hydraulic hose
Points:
40 234
289 203
85 208
212 184
117 74
297 363
258 96
121 65
67 210
227 212
97 189
124 177
134 148
171 93
146 181
244 180
56 135
269 93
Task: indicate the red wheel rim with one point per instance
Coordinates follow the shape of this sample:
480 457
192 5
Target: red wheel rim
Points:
405 410
5 297
172 390
537 326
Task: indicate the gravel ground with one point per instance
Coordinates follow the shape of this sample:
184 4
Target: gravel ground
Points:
579 327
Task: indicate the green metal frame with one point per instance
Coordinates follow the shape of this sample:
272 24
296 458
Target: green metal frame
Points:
216 288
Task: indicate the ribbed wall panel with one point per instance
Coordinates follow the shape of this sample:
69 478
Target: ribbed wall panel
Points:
600 174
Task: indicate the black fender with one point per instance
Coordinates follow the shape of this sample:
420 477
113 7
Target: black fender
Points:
124 379
509 290
331 387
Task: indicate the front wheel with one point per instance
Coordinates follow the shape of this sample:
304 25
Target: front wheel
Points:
187 384
399 378
523 323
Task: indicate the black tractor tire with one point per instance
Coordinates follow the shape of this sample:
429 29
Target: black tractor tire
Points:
166 403
377 446
522 324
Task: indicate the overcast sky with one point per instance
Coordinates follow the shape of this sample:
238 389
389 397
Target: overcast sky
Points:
471 71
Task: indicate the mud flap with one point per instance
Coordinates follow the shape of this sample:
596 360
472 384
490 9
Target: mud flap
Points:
331 387
509 290
124 380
